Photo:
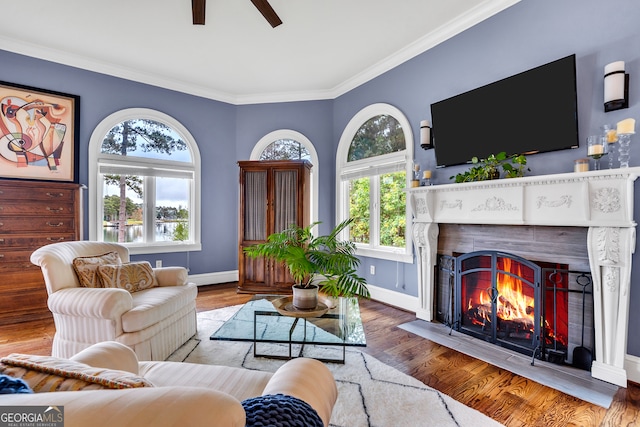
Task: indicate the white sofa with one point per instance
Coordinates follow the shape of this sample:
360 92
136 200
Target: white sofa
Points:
153 322
183 394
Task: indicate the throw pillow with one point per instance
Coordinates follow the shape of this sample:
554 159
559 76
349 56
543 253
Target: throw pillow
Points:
86 268
132 276
280 410
47 374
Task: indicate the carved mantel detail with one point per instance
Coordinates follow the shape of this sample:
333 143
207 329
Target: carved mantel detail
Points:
599 200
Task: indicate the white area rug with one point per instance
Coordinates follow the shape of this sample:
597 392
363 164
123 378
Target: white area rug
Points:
370 393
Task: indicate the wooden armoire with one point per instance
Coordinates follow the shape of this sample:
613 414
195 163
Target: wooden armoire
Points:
32 214
273 195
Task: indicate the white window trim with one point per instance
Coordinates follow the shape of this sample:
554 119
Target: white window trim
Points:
342 198
95 180
276 135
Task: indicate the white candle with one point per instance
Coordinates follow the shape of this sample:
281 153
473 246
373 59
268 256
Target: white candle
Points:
627 126
595 150
426 174
581 165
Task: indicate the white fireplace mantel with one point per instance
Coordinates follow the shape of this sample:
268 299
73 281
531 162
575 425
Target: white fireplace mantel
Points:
600 200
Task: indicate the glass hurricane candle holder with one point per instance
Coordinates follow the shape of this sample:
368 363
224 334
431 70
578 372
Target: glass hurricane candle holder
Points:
596 148
426 177
611 135
625 129
624 151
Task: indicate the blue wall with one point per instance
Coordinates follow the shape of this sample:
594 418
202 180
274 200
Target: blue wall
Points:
524 36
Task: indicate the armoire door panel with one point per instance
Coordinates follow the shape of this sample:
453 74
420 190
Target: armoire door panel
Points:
255 270
285 209
255 207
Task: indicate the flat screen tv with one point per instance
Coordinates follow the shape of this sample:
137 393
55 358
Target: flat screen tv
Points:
531 112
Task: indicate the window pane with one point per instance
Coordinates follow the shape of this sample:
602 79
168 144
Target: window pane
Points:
128 226
145 138
393 219
285 149
172 214
379 135
359 210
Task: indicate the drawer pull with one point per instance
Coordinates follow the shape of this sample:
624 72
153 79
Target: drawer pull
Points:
55 239
1 240
50 209
1 255
53 195
60 224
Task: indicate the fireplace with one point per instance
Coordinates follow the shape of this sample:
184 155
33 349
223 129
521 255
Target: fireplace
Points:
497 297
598 202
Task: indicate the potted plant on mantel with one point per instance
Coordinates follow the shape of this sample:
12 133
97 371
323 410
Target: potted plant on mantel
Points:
483 169
323 262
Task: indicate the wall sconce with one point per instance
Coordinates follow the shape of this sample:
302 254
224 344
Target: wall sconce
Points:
616 87
425 135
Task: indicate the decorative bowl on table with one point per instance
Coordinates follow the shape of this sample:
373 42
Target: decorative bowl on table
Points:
285 307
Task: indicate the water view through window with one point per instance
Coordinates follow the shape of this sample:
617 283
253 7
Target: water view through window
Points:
164 232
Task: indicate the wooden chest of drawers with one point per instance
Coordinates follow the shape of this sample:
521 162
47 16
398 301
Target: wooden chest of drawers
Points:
32 214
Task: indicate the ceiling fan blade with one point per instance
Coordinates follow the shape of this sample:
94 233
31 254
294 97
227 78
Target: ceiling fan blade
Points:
198 11
267 11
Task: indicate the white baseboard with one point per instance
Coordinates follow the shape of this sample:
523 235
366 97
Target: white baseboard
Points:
632 366
396 299
214 278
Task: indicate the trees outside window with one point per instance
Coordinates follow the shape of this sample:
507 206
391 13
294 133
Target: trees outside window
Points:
285 149
145 182
373 172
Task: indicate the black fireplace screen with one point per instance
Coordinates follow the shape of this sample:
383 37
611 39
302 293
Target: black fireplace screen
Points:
538 309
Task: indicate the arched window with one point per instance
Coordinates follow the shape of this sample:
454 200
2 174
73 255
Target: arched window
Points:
286 144
373 170
144 180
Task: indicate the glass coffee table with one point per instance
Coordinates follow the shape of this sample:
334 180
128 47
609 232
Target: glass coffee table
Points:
258 322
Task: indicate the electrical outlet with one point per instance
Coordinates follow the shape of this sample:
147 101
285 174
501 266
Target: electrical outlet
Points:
372 269
158 263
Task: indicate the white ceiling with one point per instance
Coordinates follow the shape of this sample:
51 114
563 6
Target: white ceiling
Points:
323 48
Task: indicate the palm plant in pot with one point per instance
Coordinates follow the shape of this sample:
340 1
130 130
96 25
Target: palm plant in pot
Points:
323 262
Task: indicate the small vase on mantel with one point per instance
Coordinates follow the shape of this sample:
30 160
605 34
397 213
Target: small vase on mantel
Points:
305 298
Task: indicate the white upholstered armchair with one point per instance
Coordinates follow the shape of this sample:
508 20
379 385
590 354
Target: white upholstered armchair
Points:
153 321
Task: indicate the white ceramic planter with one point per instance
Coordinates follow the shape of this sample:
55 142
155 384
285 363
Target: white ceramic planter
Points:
305 298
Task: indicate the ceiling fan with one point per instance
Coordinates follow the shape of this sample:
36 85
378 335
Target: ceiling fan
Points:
198 11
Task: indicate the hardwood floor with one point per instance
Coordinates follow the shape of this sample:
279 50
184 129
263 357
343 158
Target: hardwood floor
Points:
505 397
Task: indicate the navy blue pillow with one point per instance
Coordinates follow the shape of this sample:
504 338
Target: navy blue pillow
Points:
10 385
278 410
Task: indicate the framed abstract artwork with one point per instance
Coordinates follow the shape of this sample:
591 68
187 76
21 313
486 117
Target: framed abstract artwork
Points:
39 131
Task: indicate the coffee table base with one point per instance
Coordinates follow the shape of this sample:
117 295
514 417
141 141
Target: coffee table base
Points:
291 342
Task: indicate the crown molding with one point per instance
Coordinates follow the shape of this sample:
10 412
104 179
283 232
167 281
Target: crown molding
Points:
447 30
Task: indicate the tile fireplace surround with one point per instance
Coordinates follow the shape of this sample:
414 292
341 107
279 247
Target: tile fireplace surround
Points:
599 200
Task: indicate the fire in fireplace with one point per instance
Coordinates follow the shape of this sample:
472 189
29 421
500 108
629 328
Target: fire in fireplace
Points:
515 303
